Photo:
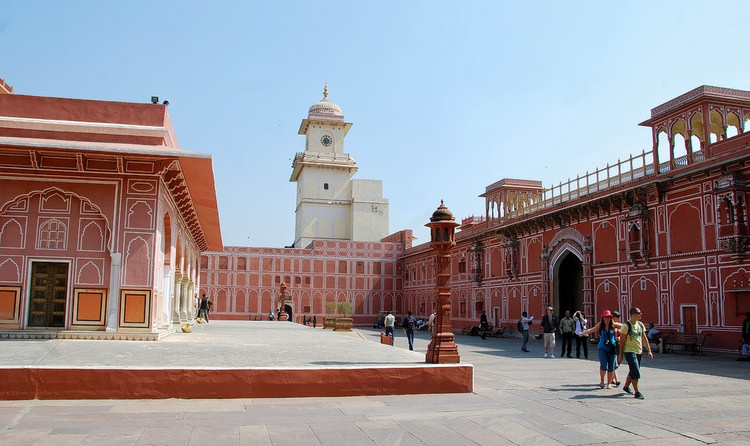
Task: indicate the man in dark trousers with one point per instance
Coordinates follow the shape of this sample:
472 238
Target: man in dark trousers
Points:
549 324
204 307
567 327
483 324
410 324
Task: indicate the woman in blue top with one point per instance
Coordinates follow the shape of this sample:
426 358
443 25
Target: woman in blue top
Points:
606 348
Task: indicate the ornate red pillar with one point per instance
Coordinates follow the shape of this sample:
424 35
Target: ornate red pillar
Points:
282 301
442 348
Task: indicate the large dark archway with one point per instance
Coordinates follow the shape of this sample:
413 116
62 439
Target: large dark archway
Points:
569 284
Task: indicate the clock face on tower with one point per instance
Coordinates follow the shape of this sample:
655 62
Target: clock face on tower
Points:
326 140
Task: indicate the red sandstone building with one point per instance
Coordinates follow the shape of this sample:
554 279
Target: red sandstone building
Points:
102 219
108 228
665 230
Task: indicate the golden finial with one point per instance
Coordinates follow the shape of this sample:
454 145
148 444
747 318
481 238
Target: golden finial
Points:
325 91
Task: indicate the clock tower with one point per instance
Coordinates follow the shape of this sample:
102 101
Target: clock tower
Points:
330 205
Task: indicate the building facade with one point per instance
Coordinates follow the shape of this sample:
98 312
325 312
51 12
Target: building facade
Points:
329 278
99 233
665 230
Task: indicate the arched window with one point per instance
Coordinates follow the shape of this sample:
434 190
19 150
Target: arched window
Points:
52 235
729 211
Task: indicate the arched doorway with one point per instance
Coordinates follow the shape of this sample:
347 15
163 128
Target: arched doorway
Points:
568 279
288 311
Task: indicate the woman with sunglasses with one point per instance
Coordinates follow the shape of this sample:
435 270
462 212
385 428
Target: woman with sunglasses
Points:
606 348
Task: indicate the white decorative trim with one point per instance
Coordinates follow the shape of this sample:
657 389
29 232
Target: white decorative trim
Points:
58 125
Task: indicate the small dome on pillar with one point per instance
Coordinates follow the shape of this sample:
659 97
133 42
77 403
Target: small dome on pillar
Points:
442 214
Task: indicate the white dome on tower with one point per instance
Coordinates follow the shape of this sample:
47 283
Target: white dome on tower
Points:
325 109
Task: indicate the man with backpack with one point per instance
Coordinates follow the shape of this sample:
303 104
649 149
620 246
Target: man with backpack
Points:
409 324
632 339
523 328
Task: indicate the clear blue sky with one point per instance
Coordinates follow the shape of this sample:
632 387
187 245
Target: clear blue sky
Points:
445 97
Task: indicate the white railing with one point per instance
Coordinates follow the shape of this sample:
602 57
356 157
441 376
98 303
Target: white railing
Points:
618 174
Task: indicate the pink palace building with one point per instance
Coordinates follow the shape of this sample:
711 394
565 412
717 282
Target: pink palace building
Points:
665 230
103 218
109 229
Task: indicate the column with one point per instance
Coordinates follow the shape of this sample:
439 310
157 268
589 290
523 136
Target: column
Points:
177 298
113 305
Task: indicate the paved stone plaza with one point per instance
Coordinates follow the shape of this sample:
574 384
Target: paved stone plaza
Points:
519 398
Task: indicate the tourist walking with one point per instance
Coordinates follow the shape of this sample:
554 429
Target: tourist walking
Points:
616 323
431 322
606 348
549 326
582 324
632 339
523 325
389 323
203 309
483 325
567 329
409 324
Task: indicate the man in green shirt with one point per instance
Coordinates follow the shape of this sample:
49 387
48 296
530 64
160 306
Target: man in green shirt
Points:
567 327
632 339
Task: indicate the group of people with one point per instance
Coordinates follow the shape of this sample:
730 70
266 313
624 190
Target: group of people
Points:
203 307
410 325
569 327
617 342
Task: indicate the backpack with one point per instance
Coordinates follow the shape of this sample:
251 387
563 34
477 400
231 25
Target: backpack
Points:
410 322
630 328
519 324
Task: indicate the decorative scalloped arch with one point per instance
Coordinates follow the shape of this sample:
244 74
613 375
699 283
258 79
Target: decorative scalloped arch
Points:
570 240
52 190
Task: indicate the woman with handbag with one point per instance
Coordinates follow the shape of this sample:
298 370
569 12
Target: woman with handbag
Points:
606 348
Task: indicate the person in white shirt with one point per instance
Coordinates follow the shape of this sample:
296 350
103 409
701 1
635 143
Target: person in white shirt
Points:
653 332
390 322
431 323
525 321
581 325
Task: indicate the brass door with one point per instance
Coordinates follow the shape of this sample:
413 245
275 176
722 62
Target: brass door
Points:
48 292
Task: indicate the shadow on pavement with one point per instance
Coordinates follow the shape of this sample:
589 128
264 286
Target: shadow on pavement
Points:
714 364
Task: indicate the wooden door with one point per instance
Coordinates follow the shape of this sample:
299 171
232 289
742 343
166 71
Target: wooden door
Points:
48 294
689 320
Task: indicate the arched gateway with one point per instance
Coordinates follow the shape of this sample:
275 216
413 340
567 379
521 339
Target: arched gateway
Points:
568 263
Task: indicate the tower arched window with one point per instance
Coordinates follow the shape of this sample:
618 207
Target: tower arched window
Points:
325 186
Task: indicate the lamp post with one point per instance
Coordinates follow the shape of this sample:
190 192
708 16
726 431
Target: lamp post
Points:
282 301
442 348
